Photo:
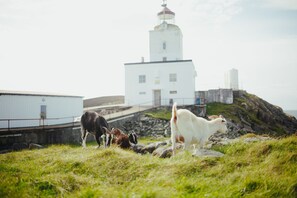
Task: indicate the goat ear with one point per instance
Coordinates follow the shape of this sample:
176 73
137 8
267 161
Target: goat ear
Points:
220 116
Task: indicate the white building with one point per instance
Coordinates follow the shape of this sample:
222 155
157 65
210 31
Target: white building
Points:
231 79
167 77
30 109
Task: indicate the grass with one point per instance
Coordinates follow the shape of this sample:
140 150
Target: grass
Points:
227 110
163 114
260 169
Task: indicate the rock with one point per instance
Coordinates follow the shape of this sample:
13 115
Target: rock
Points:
206 153
148 126
35 146
149 148
158 144
137 148
163 152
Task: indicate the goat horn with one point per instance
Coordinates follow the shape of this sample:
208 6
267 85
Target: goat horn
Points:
106 129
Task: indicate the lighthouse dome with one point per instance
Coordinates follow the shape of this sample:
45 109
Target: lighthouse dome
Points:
166 14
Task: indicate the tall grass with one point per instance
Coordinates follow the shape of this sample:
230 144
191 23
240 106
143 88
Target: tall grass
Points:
261 169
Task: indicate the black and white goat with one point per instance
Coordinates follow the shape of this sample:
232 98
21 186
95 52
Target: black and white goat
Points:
92 122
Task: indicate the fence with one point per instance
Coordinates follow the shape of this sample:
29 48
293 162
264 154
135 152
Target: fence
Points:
9 124
145 106
164 102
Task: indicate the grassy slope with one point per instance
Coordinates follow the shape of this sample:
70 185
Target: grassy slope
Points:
267 169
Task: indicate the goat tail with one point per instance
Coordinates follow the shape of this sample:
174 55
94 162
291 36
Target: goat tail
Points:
173 125
174 109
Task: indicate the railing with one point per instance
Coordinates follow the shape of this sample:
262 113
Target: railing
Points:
36 122
145 106
9 124
168 102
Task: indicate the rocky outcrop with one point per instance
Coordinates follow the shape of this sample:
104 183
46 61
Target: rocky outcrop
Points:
147 126
164 150
250 113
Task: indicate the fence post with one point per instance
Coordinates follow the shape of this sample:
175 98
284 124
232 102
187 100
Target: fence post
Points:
8 124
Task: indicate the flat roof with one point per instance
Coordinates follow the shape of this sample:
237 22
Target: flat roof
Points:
164 62
33 93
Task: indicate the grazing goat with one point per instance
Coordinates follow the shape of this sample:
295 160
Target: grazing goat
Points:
195 130
133 138
116 136
92 122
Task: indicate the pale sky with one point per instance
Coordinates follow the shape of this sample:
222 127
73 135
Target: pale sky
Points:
80 46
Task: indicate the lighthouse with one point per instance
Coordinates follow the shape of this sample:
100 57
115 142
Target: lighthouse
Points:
167 77
166 39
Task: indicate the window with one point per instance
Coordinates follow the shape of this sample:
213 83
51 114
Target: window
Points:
172 78
141 78
164 45
173 92
157 80
164 58
142 93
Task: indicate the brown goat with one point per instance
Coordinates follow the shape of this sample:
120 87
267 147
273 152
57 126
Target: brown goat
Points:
116 136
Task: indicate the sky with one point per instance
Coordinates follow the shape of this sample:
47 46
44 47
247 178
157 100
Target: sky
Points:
80 47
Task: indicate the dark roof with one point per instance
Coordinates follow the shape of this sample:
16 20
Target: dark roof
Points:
32 93
164 62
166 11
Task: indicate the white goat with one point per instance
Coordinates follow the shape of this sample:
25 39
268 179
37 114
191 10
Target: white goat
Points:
195 130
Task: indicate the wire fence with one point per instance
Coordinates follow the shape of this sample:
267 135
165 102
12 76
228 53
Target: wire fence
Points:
9 124
166 102
146 106
36 122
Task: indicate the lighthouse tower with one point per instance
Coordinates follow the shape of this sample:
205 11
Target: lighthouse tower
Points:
166 40
167 77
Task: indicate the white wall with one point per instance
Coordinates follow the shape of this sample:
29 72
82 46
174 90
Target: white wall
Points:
142 93
172 35
231 79
28 107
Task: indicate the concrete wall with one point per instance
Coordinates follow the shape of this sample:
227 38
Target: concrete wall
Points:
70 135
216 95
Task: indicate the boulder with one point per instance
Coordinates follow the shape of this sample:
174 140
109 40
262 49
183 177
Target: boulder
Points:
138 148
35 146
163 152
206 153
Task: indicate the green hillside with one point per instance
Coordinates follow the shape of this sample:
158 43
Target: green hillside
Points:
261 169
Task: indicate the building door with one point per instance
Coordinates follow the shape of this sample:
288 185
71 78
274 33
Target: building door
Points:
157 97
42 114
